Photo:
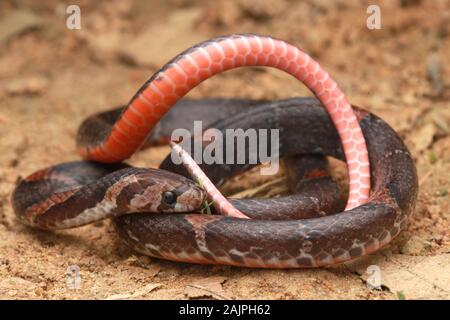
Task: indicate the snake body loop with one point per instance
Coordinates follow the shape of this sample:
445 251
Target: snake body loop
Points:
208 58
154 211
302 230
313 242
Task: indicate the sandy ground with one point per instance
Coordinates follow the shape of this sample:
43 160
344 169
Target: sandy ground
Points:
51 78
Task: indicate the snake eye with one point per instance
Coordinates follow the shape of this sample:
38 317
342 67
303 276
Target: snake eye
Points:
169 197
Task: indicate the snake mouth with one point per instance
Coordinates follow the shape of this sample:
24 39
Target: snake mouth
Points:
190 198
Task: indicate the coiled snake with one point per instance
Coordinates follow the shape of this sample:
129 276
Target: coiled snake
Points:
152 209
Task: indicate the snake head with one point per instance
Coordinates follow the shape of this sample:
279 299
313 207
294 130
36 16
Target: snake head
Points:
162 191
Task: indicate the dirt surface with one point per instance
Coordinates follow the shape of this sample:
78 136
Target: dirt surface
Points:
51 78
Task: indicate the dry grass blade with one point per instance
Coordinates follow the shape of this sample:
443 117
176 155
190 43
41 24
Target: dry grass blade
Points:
266 190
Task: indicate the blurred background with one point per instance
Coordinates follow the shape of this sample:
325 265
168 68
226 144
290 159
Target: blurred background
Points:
52 77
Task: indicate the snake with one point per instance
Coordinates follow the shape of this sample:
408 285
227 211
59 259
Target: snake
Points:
155 210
